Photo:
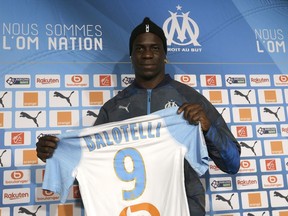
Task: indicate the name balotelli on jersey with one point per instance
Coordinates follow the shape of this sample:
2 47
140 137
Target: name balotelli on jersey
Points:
123 134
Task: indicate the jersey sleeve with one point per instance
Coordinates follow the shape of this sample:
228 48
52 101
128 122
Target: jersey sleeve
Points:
190 136
61 169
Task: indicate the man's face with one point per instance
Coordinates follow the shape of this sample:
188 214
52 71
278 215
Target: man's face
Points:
148 57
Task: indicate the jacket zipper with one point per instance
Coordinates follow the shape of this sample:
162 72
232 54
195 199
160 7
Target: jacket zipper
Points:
149 92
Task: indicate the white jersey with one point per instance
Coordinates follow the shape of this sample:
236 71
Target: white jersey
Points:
132 167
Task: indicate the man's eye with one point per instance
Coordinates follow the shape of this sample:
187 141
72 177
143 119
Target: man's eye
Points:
156 48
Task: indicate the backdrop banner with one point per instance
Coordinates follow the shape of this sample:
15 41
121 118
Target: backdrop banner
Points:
61 60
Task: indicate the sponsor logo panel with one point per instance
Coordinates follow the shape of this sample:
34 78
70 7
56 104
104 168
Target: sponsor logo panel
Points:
251 148
270 96
64 98
248 166
65 209
213 169
187 79
40 175
280 79
27 157
89 117
270 165
30 119
247 182
256 213
211 80
17 195
278 198
95 98
216 97
266 130
105 80
4 211
225 112
286 95
284 130
5 158
17 81
276 147
45 195
280 212
225 201
221 184
252 200
272 181
245 114
243 96
5 99
47 81
242 131
272 114
64 118
28 99
5 119
17 177
127 79
35 210
77 81
260 80
233 80
16 138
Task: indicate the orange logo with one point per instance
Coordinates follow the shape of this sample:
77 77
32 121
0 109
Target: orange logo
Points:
215 96
1 119
96 98
17 138
270 164
276 147
76 79
211 81
241 131
153 211
65 210
245 114
30 99
64 118
17 175
270 96
254 199
283 213
30 157
105 80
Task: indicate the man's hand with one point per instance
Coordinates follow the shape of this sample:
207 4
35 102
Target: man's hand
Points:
46 146
194 113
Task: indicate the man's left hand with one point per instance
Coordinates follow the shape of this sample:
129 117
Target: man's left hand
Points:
194 113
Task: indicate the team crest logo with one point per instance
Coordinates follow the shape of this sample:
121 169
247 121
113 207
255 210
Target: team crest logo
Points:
181 30
171 103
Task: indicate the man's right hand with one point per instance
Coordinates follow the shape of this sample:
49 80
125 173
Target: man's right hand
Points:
45 147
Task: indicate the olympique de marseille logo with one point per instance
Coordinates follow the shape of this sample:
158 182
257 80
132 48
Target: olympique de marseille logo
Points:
181 30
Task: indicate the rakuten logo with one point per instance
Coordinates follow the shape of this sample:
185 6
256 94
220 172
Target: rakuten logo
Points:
12 196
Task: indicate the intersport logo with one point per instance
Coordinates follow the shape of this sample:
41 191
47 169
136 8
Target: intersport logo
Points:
181 30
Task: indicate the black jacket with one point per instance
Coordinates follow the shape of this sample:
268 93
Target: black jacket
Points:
223 148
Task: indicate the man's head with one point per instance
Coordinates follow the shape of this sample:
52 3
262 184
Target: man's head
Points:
147 26
148 50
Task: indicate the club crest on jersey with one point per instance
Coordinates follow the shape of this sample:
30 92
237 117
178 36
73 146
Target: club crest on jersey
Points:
171 103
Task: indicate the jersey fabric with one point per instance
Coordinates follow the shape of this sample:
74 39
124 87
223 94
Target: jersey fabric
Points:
129 167
222 146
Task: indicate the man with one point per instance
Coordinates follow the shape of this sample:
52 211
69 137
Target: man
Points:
154 90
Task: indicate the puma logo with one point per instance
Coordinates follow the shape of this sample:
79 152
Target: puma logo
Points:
236 92
1 99
278 194
1 164
222 111
124 107
91 113
273 113
27 212
250 214
219 197
26 115
58 94
245 145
